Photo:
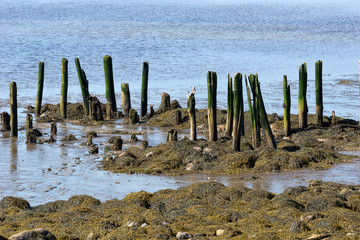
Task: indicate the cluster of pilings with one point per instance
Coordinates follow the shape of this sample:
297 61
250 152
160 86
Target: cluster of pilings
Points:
235 104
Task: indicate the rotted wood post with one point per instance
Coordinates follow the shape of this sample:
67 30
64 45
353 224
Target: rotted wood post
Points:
5 118
64 88
40 88
109 85
172 135
192 116
303 108
229 115
253 109
144 89
212 86
83 85
53 129
237 111
29 121
319 93
13 110
287 107
125 97
178 117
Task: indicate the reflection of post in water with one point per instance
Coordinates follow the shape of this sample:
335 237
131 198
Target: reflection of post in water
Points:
13 154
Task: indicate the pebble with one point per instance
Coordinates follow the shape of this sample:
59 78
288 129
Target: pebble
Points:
189 167
183 235
199 149
220 232
149 154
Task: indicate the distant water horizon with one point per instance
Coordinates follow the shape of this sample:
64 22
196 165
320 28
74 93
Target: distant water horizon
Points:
182 40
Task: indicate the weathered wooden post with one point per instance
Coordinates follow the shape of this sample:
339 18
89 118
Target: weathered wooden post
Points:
237 111
229 115
109 84
64 87
53 128
303 108
212 86
319 93
125 97
29 121
83 85
13 110
287 107
178 117
40 88
359 91
172 135
133 116
192 116
144 89
333 118
263 118
253 110
95 111
5 117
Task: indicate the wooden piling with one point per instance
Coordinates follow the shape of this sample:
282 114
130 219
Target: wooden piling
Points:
212 87
253 109
5 118
109 82
125 97
237 111
29 121
319 93
172 135
303 108
64 88
287 107
40 88
192 116
144 89
229 115
13 110
83 85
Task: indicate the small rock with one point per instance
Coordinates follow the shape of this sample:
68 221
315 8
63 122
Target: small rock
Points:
183 235
144 224
199 149
149 154
129 224
37 233
208 150
189 166
220 232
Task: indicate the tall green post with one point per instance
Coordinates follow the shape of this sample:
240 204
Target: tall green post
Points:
212 86
64 87
287 107
40 88
319 93
109 83
229 116
83 85
253 109
237 129
303 108
144 89
13 110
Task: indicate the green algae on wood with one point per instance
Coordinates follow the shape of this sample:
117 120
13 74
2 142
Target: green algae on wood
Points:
40 88
125 97
253 109
229 115
237 105
212 86
109 83
13 110
144 89
287 107
319 93
303 108
83 86
192 116
64 87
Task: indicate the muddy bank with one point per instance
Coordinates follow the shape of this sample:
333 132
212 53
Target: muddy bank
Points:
204 210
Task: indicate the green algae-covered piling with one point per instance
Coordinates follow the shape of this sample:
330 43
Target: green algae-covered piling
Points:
319 93
5 118
237 129
64 87
172 135
13 110
287 107
303 108
192 116
229 116
83 86
40 88
270 140
211 86
253 109
109 83
125 97
29 121
144 89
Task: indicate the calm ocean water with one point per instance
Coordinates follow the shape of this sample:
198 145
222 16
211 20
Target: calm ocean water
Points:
182 40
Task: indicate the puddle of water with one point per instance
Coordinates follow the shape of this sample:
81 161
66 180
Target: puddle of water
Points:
48 172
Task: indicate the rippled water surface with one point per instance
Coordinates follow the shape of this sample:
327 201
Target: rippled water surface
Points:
181 40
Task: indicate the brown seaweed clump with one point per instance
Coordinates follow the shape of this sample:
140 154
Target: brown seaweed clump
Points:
204 211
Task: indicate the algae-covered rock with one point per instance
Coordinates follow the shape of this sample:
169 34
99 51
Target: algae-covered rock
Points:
38 233
8 202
